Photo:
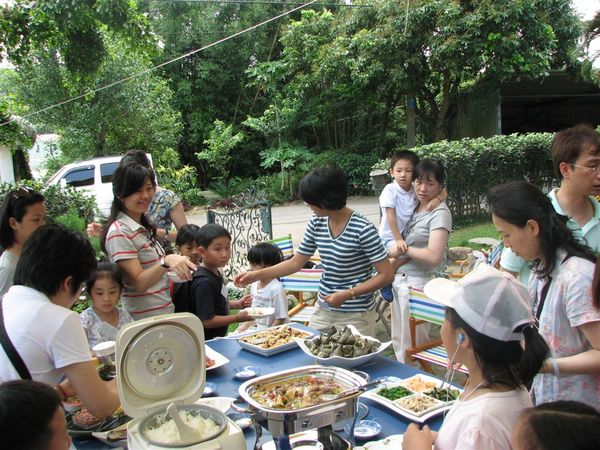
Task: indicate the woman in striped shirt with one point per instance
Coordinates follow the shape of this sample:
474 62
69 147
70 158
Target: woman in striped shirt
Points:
349 247
130 241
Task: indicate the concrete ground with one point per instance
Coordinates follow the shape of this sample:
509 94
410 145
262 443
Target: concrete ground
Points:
292 219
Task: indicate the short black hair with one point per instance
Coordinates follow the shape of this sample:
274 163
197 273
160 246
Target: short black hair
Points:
406 155
51 254
15 204
265 254
26 409
186 234
209 232
105 269
559 425
325 187
136 156
433 167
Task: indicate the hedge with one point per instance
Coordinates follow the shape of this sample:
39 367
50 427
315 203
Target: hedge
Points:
59 201
474 165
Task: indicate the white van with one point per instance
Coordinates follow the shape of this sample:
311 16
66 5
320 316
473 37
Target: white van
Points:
93 176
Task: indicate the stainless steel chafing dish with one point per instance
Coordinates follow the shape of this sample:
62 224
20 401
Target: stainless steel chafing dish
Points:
283 422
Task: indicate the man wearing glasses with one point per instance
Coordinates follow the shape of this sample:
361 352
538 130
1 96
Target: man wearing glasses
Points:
576 162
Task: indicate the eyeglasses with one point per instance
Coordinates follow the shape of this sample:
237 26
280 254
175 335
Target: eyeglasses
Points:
589 169
22 192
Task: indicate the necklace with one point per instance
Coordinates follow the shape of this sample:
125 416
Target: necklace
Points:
468 394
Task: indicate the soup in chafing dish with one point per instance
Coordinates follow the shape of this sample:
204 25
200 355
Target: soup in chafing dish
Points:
296 393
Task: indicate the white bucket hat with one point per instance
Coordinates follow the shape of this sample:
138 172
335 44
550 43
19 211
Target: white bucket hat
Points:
493 303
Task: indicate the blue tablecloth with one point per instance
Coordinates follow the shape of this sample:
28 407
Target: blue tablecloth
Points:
228 386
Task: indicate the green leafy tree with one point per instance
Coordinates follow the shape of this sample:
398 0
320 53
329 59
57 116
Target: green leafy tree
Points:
221 141
354 74
71 28
133 114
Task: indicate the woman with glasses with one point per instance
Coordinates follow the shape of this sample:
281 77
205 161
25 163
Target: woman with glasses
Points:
23 211
130 241
560 286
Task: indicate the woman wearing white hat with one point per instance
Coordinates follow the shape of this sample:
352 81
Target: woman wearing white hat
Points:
488 328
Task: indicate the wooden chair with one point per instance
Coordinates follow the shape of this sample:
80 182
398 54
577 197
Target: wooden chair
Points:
422 309
305 280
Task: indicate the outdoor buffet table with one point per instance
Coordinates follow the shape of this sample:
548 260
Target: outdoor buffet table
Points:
228 385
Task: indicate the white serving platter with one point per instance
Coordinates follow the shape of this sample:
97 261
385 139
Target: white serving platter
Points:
394 405
220 360
341 361
259 348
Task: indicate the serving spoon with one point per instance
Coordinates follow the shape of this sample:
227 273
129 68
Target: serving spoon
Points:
186 433
352 391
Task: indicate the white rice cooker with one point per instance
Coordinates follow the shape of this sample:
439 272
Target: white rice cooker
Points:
161 360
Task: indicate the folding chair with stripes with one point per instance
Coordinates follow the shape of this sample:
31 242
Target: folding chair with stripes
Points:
422 309
305 280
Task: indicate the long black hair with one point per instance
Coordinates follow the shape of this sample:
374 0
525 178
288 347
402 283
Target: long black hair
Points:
505 362
15 204
516 202
127 180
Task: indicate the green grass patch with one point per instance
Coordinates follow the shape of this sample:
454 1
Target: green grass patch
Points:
460 237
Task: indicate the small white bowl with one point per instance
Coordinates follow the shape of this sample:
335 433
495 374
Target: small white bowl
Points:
365 429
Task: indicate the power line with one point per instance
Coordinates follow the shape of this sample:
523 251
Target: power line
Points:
260 2
144 72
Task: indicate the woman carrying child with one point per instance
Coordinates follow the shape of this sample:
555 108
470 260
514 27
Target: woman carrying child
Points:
489 328
103 320
561 288
266 293
426 239
130 241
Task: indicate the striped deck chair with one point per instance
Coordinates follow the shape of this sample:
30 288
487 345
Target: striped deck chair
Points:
423 309
305 280
285 244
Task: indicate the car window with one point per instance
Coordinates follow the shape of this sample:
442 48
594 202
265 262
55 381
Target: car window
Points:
83 176
107 170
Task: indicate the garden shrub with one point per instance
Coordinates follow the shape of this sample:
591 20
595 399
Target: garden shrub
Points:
60 200
356 166
474 165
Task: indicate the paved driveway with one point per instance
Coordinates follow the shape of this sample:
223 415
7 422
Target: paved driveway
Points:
292 219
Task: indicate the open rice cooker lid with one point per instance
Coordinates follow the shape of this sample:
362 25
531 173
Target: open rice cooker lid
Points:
160 360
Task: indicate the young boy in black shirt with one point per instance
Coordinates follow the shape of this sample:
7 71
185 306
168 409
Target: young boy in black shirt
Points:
208 292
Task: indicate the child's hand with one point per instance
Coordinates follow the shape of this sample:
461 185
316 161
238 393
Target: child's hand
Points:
433 203
401 245
245 301
94 229
242 316
244 279
415 439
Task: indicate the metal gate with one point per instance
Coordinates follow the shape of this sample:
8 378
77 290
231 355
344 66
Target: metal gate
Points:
248 220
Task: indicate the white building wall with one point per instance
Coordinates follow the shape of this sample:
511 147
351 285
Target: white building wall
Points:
7 173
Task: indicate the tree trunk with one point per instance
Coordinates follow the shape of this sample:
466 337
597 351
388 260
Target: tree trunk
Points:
441 125
411 120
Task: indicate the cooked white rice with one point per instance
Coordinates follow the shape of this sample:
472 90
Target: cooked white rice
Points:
166 431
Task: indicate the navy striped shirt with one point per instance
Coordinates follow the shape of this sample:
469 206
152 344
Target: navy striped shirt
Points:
347 259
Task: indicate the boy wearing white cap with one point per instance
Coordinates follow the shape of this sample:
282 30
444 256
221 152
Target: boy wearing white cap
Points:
488 328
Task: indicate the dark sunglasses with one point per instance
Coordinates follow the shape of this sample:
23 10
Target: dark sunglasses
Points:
22 192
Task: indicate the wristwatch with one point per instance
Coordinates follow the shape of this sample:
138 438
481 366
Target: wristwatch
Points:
163 262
